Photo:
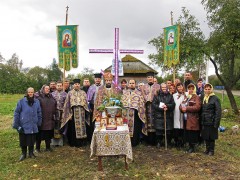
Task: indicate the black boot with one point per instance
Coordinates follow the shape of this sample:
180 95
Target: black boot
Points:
48 148
30 151
211 148
207 147
24 153
158 139
38 145
191 148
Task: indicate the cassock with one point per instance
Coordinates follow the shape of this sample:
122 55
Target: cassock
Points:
91 97
76 116
134 112
60 98
148 92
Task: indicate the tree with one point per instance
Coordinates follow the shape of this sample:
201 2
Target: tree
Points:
54 73
191 43
1 58
12 80
222 48
37 76
15 62
223 45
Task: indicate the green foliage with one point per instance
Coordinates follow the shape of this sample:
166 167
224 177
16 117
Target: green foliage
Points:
223 45
54 73
85 73
214 81
12 80
191 43
112 100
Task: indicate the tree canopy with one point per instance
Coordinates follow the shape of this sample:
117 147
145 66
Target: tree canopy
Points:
222 47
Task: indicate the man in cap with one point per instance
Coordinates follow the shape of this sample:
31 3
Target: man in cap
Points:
104 91
76 115
134 111
149 90
91 97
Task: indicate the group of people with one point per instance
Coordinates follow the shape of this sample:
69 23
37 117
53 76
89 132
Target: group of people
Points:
183 112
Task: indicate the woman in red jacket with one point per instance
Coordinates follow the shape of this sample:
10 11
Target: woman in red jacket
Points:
192 108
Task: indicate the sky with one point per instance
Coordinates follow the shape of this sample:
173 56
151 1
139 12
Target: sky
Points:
28 27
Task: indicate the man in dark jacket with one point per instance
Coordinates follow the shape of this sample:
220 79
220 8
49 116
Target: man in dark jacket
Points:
188 80
86 85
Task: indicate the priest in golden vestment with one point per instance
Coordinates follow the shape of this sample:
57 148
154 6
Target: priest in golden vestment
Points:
106 91
76 115
134 112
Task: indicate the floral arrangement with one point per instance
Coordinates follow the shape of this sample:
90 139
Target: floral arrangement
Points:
113 100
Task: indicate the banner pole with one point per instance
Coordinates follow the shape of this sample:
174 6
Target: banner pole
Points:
174 69
64 63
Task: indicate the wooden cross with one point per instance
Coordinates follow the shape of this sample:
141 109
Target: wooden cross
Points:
116 52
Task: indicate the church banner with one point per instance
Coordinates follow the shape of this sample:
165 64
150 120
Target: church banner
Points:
171 45
68 46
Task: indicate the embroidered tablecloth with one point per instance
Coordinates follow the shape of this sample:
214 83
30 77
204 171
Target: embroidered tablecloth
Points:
112 142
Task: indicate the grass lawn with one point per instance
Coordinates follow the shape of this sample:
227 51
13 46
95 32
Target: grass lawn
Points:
149 163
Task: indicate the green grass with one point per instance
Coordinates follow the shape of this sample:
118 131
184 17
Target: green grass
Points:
225 101
8 103
149 163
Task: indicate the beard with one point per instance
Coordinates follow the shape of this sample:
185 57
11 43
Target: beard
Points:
108 85
150 83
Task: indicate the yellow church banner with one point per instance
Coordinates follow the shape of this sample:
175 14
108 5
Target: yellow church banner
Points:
171 45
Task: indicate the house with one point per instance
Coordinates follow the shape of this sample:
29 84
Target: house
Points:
133 68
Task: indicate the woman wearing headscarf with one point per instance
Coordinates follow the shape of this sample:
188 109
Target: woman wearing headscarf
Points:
178 130
49 106
163 101
27 118
210 118
191 108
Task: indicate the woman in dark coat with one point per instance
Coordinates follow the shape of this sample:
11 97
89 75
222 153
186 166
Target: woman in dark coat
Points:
210 118
163 101
48 106
191 108
27 118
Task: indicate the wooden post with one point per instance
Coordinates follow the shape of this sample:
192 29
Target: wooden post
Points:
165 129
64 62
174 68
100 168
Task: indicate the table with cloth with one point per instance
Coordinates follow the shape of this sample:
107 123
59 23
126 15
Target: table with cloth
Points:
111 143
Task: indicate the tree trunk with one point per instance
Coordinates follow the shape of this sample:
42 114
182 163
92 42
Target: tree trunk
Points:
232 100
228 89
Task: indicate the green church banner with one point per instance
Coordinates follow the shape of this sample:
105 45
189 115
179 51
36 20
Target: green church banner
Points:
67 46
171 45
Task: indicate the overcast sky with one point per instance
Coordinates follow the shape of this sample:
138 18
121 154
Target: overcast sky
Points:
28 27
